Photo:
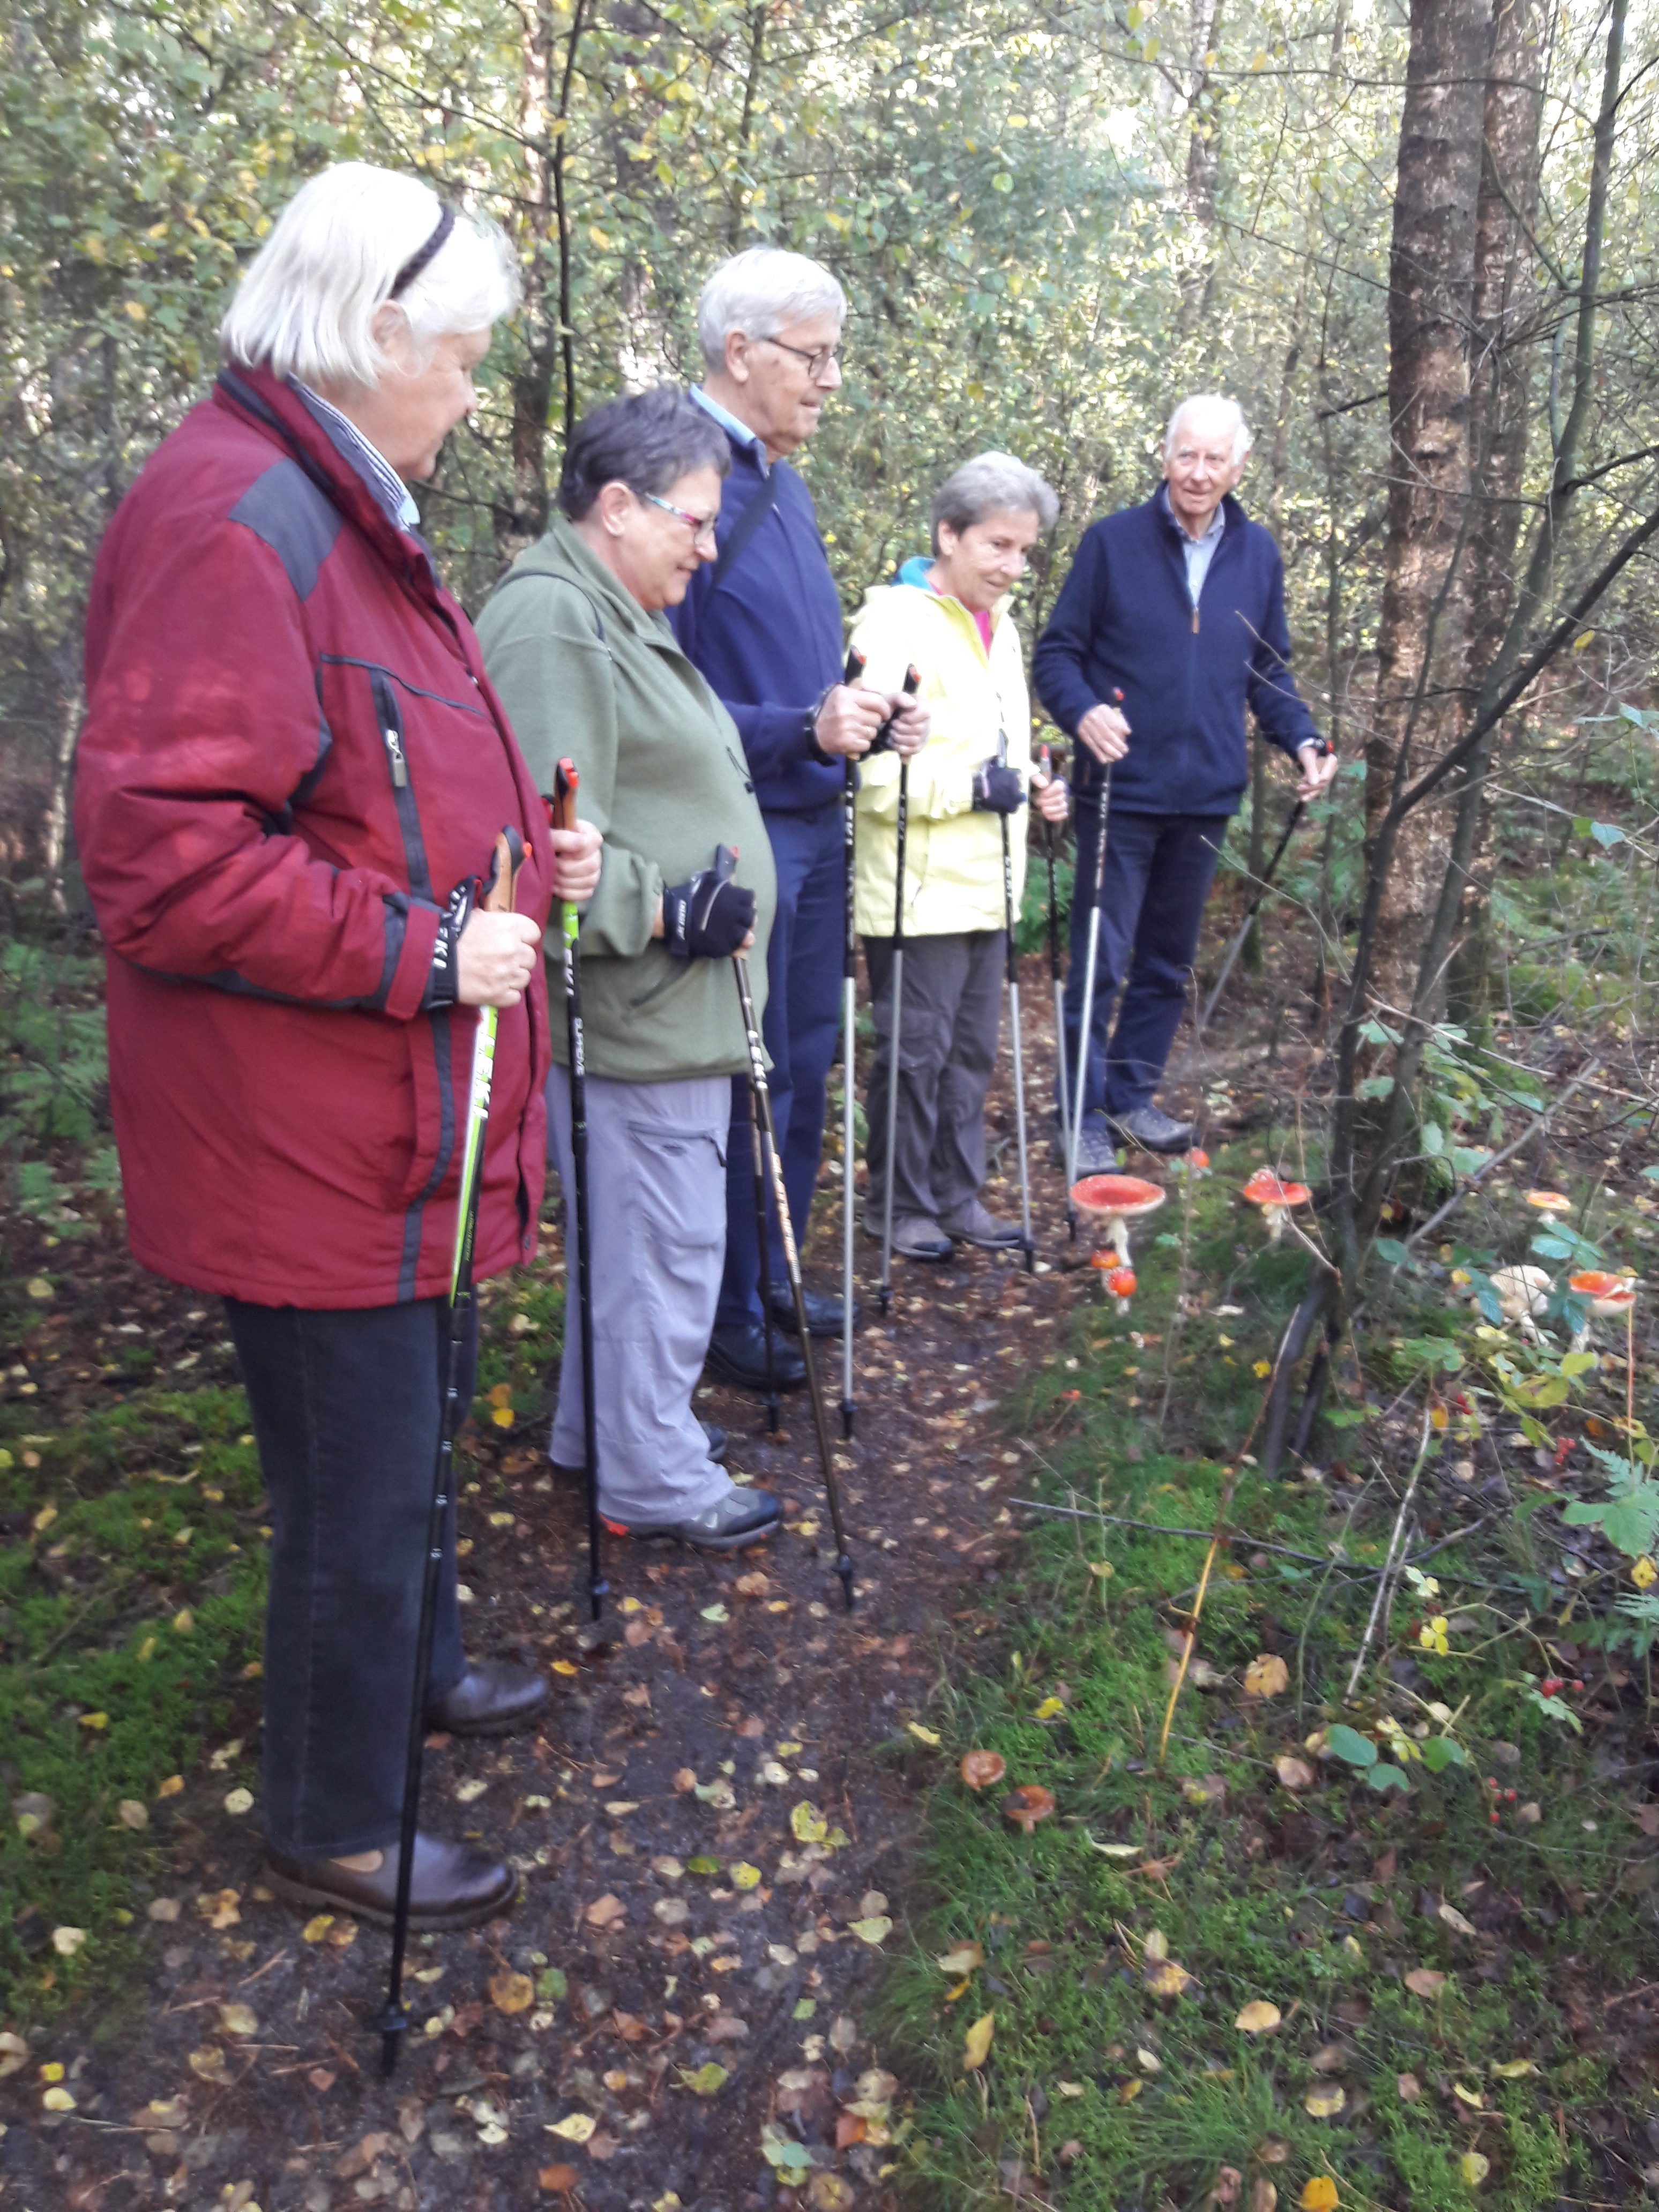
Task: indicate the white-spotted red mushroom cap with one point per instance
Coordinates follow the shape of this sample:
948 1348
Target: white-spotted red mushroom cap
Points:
1609 1294
1549 1201
1265 1188
1116 1197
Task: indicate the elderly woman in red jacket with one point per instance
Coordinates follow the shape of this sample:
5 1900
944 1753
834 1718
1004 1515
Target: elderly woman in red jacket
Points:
292 764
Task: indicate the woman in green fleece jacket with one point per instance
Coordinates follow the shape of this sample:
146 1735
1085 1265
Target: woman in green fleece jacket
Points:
576 642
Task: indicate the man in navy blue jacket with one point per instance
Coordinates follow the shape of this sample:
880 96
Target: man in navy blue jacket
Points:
1171 624
763 624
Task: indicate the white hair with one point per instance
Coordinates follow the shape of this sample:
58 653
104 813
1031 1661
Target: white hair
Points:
992 483
761 292
1230 413
307 303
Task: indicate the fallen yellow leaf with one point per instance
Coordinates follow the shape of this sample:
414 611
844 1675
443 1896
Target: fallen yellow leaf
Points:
576 2128
923 1734
1325 2101
58 2100
976 2044
1258 2016
962 1959
1319 2194
239 2020
1424 1982
314 1931
1266 1676
1474 2167
511 1992
1511 2069
1295 1773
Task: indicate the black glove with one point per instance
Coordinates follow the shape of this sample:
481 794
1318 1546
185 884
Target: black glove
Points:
997 789
707 918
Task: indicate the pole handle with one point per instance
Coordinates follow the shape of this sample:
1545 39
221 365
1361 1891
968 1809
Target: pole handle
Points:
562 805
501 884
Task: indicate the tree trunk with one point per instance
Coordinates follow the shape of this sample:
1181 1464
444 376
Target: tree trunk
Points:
1505 299
1421 700
1203 168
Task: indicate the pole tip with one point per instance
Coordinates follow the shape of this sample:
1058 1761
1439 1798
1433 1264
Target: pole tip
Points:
391 2025
844 1569
847 1412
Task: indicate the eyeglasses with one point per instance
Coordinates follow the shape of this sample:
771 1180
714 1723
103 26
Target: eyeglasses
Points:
818 364
702 526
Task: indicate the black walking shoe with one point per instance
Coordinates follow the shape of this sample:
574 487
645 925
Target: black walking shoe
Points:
451 1884
738 1355
823 1314
493 1697
742 1516
1153 1130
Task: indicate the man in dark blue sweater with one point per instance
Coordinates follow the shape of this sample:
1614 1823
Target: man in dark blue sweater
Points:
1171 624
763 624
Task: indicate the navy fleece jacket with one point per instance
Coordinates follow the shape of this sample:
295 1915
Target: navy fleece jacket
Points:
1124 622
768 640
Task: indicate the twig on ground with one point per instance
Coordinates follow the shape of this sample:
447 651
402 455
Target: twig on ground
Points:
1387 1564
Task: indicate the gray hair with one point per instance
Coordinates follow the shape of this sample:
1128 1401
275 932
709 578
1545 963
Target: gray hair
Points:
761 292
646 440
992 483
1230 413
307 303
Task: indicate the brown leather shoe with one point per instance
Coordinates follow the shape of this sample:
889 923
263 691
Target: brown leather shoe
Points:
493 1697
453 1885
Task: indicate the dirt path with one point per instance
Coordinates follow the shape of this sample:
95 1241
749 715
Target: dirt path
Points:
713 1856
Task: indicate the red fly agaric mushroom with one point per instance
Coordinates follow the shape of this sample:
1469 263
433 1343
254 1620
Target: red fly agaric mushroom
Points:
1114 1201
1549 1201
1610 1295
1275 1198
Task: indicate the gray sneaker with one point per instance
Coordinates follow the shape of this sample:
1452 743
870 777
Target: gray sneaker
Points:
975 1226
1153 1130
742 1516
1095 1151
917 1237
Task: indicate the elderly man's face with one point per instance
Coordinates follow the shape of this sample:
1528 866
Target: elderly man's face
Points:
423 393
784 381
1199 467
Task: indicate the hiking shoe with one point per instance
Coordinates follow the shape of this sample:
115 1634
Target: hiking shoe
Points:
742 1516
974 1225
453 1885
492 1698
823 1314
916 1236
1097 1154
738 1355
1153 1130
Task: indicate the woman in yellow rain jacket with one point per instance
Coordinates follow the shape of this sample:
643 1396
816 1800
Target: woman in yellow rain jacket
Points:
948 617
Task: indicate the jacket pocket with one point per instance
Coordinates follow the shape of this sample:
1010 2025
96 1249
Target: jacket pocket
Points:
389 719
433 1043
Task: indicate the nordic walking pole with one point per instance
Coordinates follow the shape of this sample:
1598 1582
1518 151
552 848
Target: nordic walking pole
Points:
1090 969
505 863
849 973
885 1292
1055 974
761 1107
562 813
1013 1025
768 1320
1262 888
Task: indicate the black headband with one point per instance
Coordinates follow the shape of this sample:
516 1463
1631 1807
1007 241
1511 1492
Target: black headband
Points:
417 260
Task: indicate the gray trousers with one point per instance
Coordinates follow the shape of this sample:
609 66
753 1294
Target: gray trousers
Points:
948 1021
656 1210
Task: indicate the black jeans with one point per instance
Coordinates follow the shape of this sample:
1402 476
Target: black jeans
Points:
1158 872
345 1413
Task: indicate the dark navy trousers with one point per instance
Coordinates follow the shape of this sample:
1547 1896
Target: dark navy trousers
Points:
1158 875
345 1413
803 1011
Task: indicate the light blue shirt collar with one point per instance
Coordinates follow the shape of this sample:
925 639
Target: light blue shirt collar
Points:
730 423
1196 552
392 494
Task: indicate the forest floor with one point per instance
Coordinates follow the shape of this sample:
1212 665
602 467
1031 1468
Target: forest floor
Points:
739 1820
